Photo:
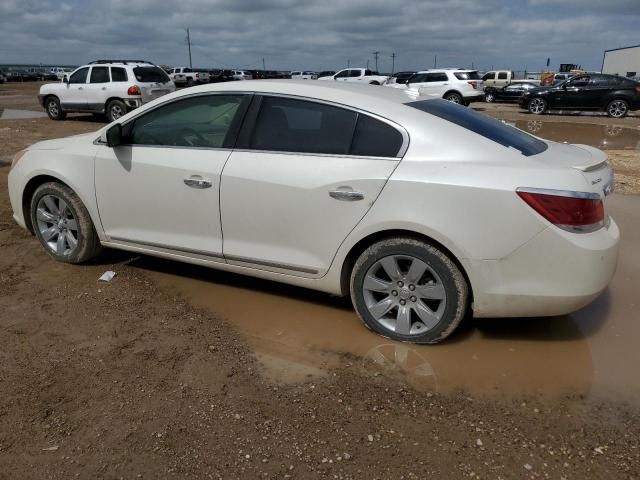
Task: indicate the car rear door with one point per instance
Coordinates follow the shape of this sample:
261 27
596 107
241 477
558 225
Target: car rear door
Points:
435 84
98 88
161 188
302 176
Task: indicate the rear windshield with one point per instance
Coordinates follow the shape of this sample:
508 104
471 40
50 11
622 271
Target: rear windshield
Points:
150 74
467 75
484 125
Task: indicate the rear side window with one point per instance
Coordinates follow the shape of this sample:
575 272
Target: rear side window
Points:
150 74
467 75
118 74
289 125
355 73
436 77
374 138
484 125
502 75
99 75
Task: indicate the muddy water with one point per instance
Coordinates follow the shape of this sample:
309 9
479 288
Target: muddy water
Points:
9 114
607 137
298 334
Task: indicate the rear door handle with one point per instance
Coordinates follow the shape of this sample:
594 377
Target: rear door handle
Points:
196 181
346 195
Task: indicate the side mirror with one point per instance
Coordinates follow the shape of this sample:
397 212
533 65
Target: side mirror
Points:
114 135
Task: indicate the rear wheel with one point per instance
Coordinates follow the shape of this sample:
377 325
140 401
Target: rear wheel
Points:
408 290
189 82
115 110
537 106
52 104
62 224
453 97
617 108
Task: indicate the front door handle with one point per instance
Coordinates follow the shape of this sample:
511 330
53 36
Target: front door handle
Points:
346 195
196 181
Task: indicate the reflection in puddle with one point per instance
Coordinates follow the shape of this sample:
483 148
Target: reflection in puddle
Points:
608 137
9 114
299 334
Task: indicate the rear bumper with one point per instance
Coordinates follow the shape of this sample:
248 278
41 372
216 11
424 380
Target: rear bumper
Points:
555 273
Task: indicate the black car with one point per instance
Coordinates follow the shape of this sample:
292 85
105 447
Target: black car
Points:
219 76
592 91
400 77
510 93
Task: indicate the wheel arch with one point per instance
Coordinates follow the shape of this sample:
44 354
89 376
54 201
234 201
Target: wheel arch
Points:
365 242
28 191
453 90
47 96
109 100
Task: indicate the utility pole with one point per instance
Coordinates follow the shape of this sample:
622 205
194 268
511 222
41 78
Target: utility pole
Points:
348 63
435 61
393 62
367 64
376 53
189 44
263 67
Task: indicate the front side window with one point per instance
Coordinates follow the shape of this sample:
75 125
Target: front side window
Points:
118 74
489 76
203 121
99 75
483 125
342 74
79 76
289 125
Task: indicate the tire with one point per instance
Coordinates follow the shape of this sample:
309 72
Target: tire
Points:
489 98
453 97
115 109
55 228
537 106
53 108
617 108
391 303
189 82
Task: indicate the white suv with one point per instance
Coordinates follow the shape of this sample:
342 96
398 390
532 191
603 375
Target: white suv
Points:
110 87
304 75
455 85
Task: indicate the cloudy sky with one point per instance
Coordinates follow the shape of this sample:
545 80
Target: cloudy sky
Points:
315 35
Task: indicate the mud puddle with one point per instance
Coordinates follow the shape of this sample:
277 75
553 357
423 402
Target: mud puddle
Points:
299 334
607 137
10 114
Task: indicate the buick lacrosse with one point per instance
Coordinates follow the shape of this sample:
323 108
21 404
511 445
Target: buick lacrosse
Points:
420 210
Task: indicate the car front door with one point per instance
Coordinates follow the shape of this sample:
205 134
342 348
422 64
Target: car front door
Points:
161 187
572 94
342 76
302 176
97 88
75 95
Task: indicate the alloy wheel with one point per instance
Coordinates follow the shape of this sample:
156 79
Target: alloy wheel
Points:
537 106
116 112
52 106
404 294
617 109
57 225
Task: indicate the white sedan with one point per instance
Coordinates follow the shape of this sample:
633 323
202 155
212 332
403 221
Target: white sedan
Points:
421 210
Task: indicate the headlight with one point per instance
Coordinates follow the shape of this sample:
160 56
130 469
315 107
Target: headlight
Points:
17 157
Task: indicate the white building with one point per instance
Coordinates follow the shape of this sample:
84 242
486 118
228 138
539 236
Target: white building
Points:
622 61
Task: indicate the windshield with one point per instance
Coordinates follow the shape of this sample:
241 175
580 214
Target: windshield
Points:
484 125
150 74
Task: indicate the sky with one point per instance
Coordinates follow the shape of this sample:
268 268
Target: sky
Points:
320 35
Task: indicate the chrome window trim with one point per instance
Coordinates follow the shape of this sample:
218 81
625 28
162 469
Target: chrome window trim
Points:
307 154
561 193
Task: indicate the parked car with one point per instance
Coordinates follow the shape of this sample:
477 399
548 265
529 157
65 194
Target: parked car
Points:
304 75
110 87
3 77
20 76
498 78
611 93
555 78
453 84
186 76
218 76
510 93
400 77
358 75
459 211
326 73
242 75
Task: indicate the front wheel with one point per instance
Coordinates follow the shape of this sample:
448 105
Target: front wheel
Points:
453 97
489 98
409 291
537 106
54 110
617 108
62 224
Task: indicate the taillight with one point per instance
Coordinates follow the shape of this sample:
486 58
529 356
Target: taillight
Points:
473 84
637 89
133 90
571 211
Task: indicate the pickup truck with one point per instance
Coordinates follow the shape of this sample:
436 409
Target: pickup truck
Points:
361 75
498 78
187 76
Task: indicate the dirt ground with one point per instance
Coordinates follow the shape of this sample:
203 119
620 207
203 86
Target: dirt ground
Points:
131 379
